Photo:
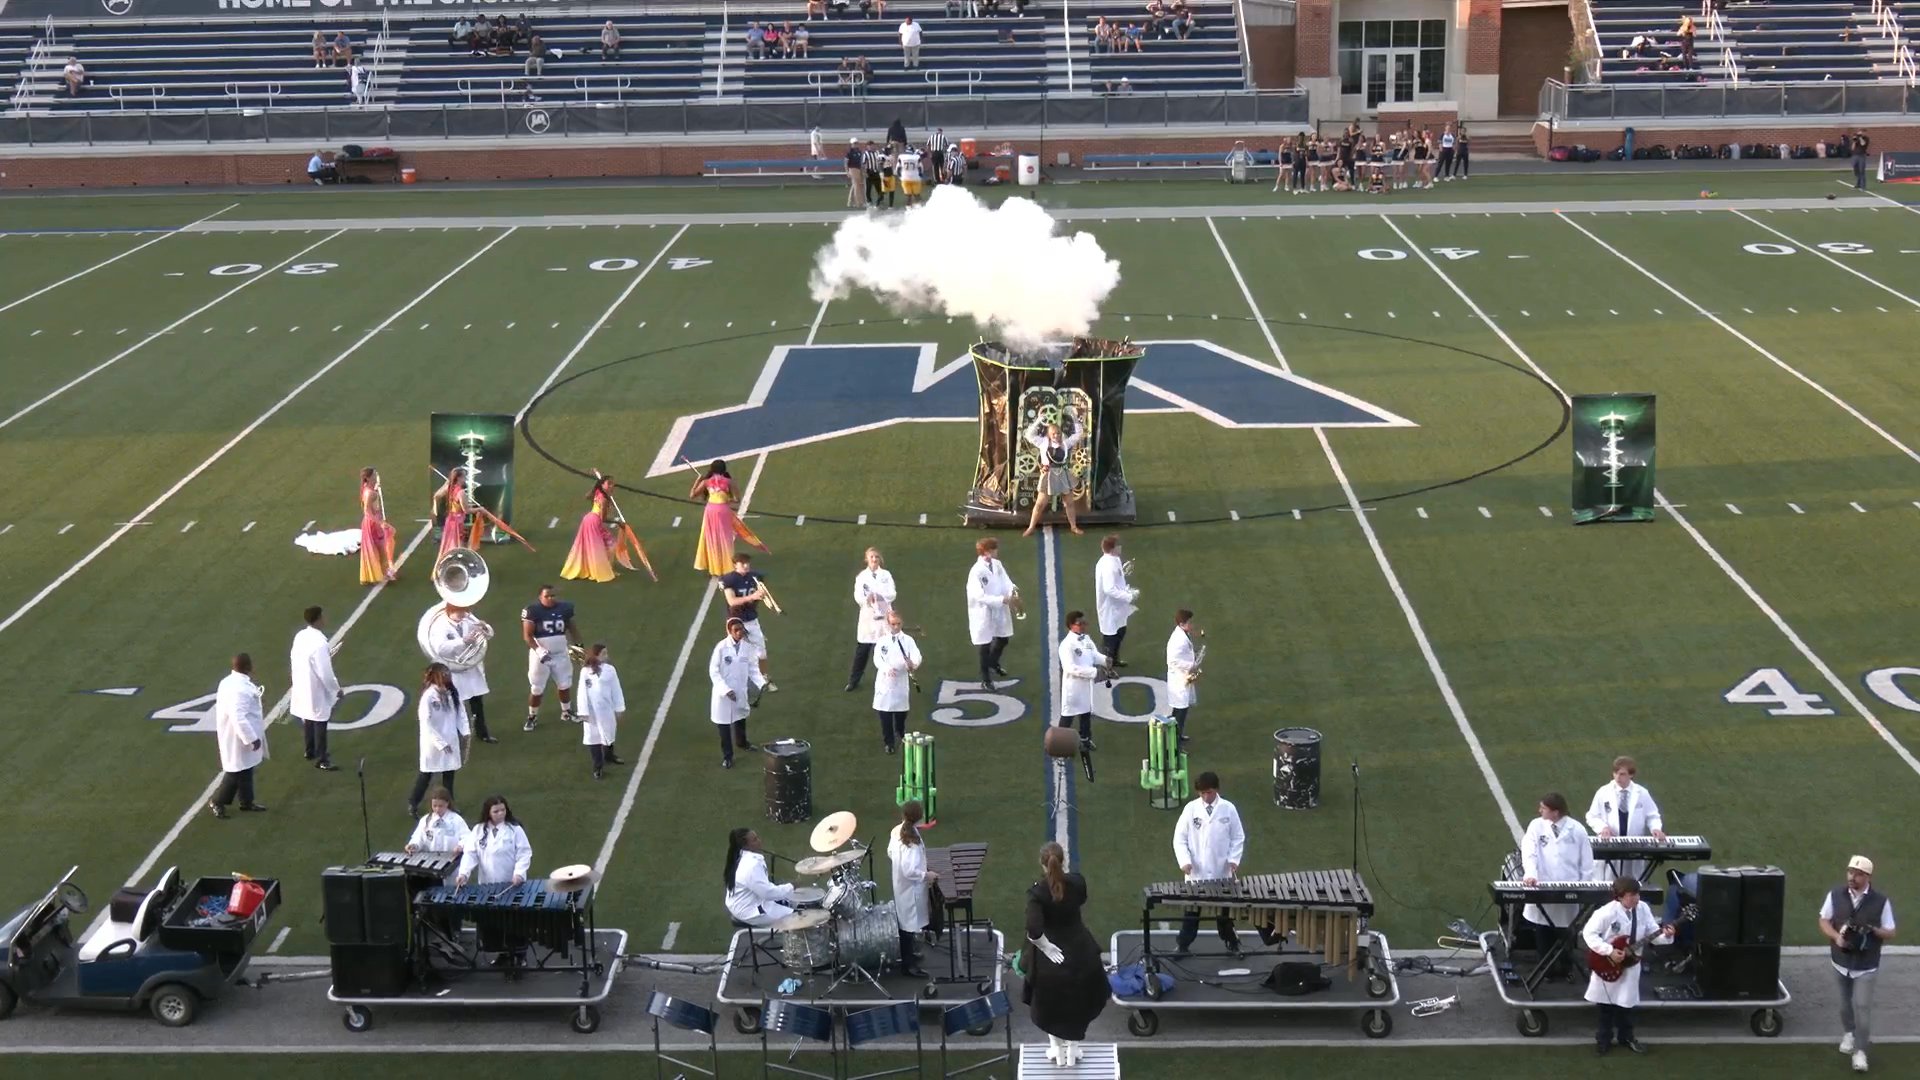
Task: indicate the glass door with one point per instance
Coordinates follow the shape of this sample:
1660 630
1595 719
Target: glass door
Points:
1376 78
1403 66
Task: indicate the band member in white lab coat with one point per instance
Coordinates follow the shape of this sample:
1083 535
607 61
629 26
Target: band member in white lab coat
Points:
1114 598
1208 843
1080 664
1623 916
989 618
1623 808
873 596
443 734
313 691
441 829
1183 668
471 684
752 897
1555 848
898 657
497 851
730 669
601 703
908 853
241 730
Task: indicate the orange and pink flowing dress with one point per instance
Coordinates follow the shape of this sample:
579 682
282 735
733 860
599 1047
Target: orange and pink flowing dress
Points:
453 532
376 538
719 528
591 554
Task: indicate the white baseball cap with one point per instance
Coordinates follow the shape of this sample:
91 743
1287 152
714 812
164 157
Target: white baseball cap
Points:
855 141
1862 864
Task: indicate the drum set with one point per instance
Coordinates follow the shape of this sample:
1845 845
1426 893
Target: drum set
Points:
837 927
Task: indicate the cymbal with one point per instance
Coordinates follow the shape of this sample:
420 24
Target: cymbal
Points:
818 865
570 878
834 830
802 920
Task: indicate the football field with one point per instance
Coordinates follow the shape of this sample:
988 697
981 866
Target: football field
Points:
189 381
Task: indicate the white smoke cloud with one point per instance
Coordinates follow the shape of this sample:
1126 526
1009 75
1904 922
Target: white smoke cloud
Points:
1004 267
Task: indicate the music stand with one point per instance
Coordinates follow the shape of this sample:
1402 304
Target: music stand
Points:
686 1016
807 1022
882 1022
976 1018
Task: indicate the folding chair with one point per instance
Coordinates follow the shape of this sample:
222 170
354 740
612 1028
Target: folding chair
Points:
885 1022
801 1021
975 1017
686 1016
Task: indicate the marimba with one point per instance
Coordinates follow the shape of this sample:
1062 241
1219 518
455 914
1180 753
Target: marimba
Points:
959 870
1325 910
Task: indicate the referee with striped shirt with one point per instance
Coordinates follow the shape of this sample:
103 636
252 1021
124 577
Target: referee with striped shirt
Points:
937 149
872 162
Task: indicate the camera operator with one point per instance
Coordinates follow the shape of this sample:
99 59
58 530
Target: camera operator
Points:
1858 919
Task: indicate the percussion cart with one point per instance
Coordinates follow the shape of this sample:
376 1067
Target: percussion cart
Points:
1660 990
1372 990
754 972
481 988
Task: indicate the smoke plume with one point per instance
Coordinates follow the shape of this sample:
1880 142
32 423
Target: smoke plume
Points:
1004 267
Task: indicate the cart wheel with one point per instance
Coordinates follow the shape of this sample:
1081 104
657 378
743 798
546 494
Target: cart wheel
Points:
930 991
174 1005
1143 1022
8 999
357 1019
1532 1023
1378 987
586 1020
1766 1023
981 1029
983 987
747 1021
1376 1023
599 970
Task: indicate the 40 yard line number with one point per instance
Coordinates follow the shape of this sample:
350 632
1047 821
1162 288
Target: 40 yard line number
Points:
196 716
1771 687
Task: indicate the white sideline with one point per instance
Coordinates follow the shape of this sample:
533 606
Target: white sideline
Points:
1812 250
165 496
167 329
43 290
1412 617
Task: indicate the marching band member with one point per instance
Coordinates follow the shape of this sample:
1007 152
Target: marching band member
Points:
601 703
908 854
1066 985
899 657
719 524
314 690
453 494
241 732
470 685
376 535
443 733
497 851
989 621
1555 849
751 897
1080 662
1623 916
729 670
547 628
590 555
744 588
1208 844
1113 598
440 829
873 594
1182 662
1056 479
1623 808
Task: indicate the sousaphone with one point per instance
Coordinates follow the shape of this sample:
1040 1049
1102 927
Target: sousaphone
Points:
461 579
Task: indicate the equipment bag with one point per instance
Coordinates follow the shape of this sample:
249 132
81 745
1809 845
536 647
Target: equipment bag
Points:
1293 979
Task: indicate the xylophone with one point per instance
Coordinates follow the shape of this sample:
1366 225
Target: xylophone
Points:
1326 909
959 870
424 869
528 913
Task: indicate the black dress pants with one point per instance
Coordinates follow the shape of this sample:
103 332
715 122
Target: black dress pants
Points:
232 783
316 735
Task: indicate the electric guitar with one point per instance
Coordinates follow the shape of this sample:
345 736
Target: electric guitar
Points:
1610 970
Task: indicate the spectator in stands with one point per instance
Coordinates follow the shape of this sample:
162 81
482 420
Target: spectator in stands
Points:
609 41
769 39
342 48
462 29
75 75
1133 38
1156 12
523 28
359 83
320 170
503 34
845 72
873 9
910 42
786 41
536 56
1102 35
1685 30
321 55
481 37
1182 23
865 67
990 7
755 42
816 9
802 41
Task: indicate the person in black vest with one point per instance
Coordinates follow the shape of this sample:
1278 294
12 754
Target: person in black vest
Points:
856 176
1857 919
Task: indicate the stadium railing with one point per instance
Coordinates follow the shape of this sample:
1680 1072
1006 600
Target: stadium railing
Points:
1705 101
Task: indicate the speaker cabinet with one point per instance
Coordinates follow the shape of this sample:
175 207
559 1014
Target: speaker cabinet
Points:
343 905
386 895
1740 972
1763 905
1719 897
369 971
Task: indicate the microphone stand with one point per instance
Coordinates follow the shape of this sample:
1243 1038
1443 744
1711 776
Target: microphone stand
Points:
366 827
1356 815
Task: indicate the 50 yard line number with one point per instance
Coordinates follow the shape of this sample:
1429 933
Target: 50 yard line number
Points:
1774 689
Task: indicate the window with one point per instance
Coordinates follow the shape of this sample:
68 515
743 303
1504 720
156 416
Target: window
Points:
1391 60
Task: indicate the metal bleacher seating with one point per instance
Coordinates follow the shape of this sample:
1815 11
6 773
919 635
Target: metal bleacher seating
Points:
661 58
1209 58
1761 42
960 55
224 63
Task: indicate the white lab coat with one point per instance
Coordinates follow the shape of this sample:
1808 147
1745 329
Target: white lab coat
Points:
988 587
872 619
1113 597
754 898
893 657
498 854
909 880
238 723
1208 843
313 690
1606 924
445 833
1079 663
731 668
1555 851
600 704
1181 693
1643 816
443 722
472 682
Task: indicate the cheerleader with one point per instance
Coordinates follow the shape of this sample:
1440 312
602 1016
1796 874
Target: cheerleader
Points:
497 851
720 526
1422 163
376 536
443 734
453 494
601 704
1398 155
1283 176
1299 181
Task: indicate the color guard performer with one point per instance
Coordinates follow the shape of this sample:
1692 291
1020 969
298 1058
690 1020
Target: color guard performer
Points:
444 734
1623 916
720 526
453 495
1183 668
752 899
1555 848
897 660
729 670
547 627
1114 598
241 731
603 539
991 597
376 535
744 588
601 704
1055 451
1623 808
1208 843
873 595
314 690
1080 664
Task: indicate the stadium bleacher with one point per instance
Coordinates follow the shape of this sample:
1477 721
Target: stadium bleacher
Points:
207 65
661 58
1760 42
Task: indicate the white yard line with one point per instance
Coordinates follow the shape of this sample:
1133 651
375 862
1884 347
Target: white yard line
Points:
1440 680
43 290
1811 250
1063 810
213 458
165 330
1749 342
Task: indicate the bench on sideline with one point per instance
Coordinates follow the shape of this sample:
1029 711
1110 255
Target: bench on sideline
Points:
1205 160
833 168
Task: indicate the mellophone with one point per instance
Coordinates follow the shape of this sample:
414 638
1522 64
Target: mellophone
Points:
1325 910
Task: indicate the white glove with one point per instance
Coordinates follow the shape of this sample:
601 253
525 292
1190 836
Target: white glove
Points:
1048 949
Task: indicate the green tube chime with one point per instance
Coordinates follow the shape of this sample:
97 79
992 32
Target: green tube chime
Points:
917 774
1164 770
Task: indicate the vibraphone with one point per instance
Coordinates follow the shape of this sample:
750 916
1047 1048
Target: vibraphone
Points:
424 869
512 919
959 870
1326 910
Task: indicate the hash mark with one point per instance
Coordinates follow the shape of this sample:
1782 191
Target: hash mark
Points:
801 520
1545 512
1485 513
293 329
1421 510
555 326
248 527
1170 516
1858 507
553 523
1436 314
307 527
509 326
1733 508
1296 513
1657 311
424 325
673 932
336 330
469 326
1525 314
1834 309
1233 515
862 520
729 326
1795 507
1748 310
120 331
8 529
1791 311
1882 310
251 329
923 517
676 523
279 939
1610 311
208 330
1391 315
187 526
76 333
64 528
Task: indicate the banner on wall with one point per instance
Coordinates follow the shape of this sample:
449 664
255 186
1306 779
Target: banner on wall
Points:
1612 457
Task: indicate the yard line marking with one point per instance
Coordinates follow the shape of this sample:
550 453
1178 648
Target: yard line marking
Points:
1814 251
1412 617
1795 507
188 525
1233 515
1732 508
861 520
672 935
1545 512
676 522
308 527
547 383
923 517
248 527
1485 513
64 528
150 338
109 262
1858 507
273 410
1750 343
279 939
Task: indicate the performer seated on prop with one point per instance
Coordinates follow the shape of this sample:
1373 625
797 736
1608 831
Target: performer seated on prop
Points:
1056 480
752 899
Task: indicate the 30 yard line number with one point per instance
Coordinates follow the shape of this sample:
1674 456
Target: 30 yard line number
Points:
1771 687
1831 247
297 269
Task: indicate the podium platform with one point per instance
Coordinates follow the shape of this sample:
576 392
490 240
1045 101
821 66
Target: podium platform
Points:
1098 1061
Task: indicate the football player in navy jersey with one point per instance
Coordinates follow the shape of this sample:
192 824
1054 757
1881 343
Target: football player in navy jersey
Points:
547 627
744 591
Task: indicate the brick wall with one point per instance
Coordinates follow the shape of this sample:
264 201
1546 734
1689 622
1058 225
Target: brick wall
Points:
1271 49
1313 39
1533 48
1905 137
1483 37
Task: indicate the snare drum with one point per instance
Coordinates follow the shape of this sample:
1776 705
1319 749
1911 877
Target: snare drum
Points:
806 896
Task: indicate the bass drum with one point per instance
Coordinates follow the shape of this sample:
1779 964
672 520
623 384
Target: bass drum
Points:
870 939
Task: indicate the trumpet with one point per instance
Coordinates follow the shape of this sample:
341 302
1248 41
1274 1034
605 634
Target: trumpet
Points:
1015 605
766 595
1126 568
